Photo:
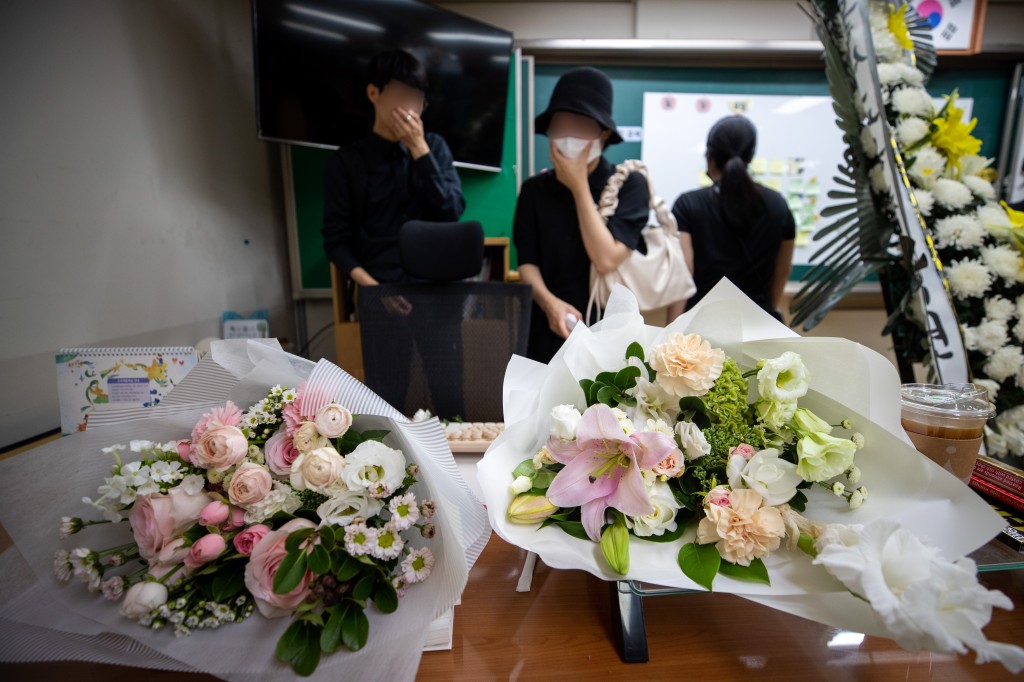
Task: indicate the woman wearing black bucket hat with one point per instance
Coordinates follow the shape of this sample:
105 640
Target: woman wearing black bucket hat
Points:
558 231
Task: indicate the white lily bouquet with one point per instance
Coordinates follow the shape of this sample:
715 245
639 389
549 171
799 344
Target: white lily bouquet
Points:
713 455
318 509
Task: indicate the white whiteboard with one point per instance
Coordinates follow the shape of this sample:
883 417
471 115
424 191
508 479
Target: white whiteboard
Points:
799 149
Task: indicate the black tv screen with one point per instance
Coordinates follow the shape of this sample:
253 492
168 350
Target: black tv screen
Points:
311 58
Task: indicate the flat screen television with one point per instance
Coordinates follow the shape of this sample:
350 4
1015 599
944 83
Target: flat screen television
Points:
311 58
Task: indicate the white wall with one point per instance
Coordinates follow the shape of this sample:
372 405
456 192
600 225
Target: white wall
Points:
136 204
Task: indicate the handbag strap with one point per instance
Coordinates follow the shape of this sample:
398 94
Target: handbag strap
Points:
609 201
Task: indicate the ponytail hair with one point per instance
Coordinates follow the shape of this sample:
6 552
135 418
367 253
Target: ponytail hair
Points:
731 144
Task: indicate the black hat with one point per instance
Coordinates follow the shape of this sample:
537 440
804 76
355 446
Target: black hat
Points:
585 91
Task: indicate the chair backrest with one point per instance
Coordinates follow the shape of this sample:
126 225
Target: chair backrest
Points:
441 252
443 346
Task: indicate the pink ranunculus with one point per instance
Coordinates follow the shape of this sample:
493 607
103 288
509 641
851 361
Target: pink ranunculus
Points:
672 466
249 484
280 452
214 514
158 518
236 520
743 450
220 447
292 412
718 496
205 550
250 537
263 564
229 415
185 450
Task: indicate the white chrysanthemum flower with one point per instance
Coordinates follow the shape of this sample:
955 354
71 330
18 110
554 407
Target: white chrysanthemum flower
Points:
999 308
991 386
879 182
968 278
925 201
993 218
1018 330
952 193
913 101
417 566
927 167
359 538
387 545
1004 363
987 337
867 141
1005 261
404 511
979 187
972 164
959 232
911 130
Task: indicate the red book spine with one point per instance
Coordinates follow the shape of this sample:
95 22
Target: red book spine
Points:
1003 479
997 493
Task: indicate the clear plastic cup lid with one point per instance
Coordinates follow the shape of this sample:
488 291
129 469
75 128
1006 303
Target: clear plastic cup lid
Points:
966 401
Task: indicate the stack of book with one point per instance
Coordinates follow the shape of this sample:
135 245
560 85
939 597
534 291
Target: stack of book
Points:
1003 486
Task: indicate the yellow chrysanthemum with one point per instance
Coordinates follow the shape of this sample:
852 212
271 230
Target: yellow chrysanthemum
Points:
952 136
898 27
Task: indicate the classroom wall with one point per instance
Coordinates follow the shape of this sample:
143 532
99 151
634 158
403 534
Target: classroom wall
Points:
136 204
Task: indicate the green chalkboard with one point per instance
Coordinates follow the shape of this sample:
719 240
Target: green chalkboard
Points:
490 199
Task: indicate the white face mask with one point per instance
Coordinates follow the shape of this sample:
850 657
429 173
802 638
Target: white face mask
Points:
572 147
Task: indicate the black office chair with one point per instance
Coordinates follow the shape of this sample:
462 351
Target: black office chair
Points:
439 342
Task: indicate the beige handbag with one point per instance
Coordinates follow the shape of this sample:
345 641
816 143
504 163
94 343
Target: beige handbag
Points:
659 277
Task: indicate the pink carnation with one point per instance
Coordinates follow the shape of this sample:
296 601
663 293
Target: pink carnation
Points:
292 412
229 415
718 497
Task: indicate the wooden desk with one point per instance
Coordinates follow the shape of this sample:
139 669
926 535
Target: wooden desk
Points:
562 630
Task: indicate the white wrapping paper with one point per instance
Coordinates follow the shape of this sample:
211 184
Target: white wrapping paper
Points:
848 381
43 619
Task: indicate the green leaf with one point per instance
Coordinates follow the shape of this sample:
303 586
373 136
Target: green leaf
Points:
290 572
635 350
587 385
692 403
355 628
573 528
606 378
700 563
291 642
799 501
364 588
327 537
319 560
228 581
194 533
295 538
346 567
626 377
525 468
348 442
385 597
309 656
609 395
330 638
754 573
542 479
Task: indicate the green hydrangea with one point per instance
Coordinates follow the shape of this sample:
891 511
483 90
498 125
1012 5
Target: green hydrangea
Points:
727 400
729 434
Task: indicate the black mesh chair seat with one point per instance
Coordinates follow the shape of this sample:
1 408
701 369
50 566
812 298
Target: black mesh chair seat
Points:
443 346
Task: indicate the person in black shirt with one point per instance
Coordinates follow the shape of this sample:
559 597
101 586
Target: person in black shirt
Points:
557 229
396 174
735 228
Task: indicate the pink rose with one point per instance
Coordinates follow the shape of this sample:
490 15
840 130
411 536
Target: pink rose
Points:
237 520
220 447
185 450
718 496
158 518
249 484
250 537
204 550
280 452
743 450
214 514
263 563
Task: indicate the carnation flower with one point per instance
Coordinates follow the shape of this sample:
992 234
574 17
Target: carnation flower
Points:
1004 363
959 232
968 278
743 530
686 365
951 193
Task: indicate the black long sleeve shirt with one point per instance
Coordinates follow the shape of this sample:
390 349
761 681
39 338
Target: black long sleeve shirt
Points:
363 215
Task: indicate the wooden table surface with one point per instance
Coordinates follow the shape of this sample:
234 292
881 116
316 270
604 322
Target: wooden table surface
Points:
562 630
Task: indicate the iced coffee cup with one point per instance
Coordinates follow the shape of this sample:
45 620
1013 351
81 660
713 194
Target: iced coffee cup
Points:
946 422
